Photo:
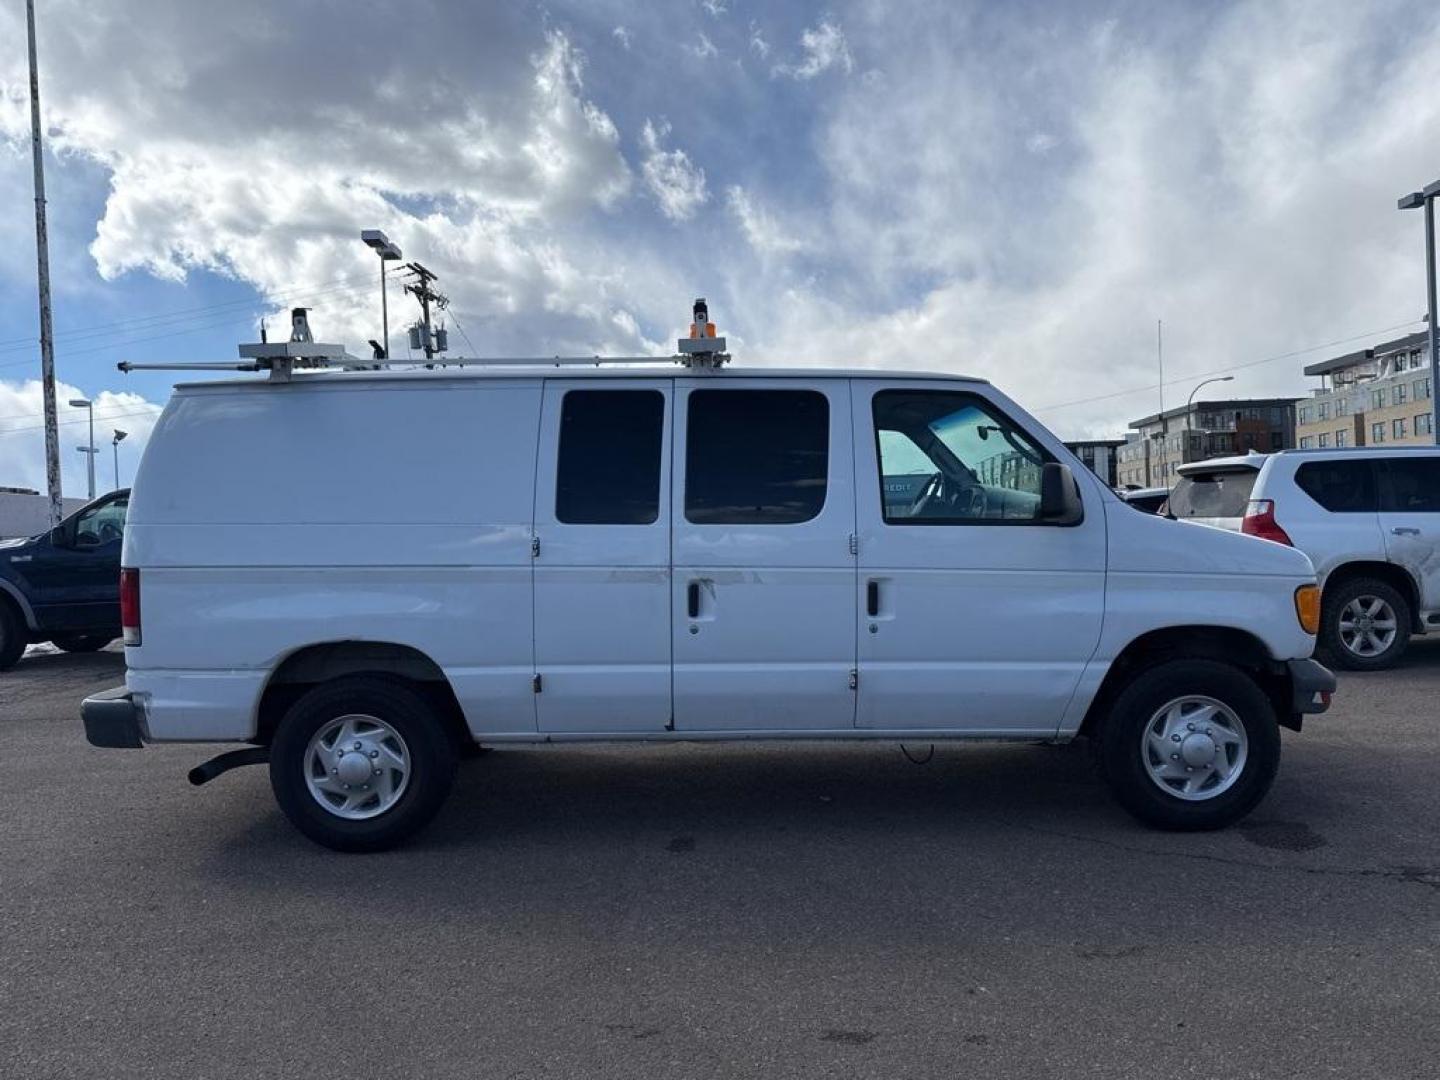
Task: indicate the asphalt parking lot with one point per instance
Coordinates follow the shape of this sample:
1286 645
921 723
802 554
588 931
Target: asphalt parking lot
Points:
712 911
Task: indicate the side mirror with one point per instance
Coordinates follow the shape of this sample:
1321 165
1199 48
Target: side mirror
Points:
60 536
1059 496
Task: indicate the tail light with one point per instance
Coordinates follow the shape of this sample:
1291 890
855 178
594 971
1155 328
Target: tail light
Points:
130 606
1259 520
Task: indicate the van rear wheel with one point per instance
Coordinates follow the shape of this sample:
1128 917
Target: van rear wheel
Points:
361 763
1189 745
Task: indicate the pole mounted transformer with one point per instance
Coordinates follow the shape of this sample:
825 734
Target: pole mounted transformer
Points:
42 258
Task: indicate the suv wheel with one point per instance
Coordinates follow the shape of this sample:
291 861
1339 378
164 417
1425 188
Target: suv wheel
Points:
13 638
1190 744
1364 625
361 763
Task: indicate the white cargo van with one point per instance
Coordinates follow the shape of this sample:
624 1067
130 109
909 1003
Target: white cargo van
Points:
363 574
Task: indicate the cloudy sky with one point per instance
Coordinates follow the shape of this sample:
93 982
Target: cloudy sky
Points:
1015 190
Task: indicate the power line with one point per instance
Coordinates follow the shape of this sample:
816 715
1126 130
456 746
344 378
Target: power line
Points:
1234 367
280 296
151 411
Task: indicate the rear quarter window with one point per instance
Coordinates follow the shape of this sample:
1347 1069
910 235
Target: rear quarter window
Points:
1342 487
1212 494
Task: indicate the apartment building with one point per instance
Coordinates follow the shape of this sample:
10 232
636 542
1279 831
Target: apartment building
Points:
1205 429
1099 456
1374 397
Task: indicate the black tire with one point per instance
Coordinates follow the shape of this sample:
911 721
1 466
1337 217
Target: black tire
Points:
13 635
82 643
1332 647
1121 751
431 755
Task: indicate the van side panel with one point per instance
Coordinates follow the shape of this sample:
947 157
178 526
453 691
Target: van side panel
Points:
271 518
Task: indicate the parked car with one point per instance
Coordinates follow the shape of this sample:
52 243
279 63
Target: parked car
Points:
63 586
1148 500
363 573
1369 518
1215 492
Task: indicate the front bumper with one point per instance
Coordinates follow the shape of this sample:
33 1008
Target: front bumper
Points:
1311 684
113 719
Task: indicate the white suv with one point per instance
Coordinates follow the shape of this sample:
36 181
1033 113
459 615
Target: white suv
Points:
364 574
1368 517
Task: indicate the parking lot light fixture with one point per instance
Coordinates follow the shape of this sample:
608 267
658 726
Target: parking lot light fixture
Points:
89 448
1417 200
115 446
388 252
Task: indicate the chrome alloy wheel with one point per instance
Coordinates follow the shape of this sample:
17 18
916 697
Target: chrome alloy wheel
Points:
357 766
1367 626
1194 747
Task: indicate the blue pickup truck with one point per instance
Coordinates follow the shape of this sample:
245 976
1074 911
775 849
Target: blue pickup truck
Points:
63 586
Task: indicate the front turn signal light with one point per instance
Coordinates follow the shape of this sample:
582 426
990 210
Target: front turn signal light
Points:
1307 608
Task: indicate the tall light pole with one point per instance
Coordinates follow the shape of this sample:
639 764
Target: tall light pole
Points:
1414 201
42 260
89 449
115 445
388 252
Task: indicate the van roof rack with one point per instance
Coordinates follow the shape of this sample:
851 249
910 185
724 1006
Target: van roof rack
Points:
701 350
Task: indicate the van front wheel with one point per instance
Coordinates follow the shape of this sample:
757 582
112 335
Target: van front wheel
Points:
361 763
1190 744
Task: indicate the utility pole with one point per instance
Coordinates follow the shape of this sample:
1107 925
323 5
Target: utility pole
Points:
422 289
42 258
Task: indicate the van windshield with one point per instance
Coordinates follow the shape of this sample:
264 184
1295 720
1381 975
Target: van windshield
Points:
1212 494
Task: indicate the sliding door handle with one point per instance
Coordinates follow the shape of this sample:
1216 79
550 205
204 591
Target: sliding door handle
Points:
1405 530
692 599
872 598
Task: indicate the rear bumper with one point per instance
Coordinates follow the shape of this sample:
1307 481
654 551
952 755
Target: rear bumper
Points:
113 719
1311 685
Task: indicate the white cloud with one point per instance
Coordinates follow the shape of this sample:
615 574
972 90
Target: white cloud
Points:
822 48
703 48
765 234
676 182
1041 142
758 45
715 8
622 35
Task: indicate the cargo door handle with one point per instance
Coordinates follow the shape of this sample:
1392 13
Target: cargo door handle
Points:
692 599
1405 530
872 598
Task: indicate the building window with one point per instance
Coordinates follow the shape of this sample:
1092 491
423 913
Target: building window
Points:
1305 413
1342 406
1377 434
1402 393
756 457
1397 427
1306 442
1377 398
1340 439
1323 440
1422 389
1424 423
1277 440
1322 411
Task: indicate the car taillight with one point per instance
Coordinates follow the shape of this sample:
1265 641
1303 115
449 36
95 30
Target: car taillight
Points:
130 606
1259 520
